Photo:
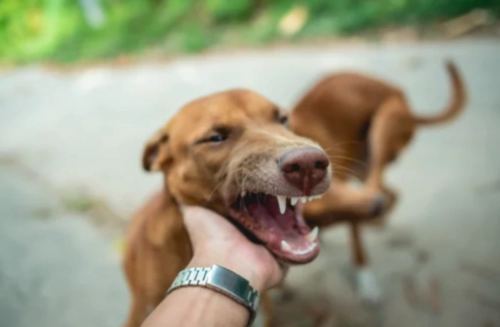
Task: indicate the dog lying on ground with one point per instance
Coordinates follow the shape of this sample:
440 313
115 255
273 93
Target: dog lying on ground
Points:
363 124
230 152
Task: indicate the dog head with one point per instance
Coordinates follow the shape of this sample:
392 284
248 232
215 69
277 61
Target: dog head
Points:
233 153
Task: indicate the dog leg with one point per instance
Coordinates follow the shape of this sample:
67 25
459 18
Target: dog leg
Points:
267 308
138 311
138 302
391 130
367 286
378 151
359 254
366 283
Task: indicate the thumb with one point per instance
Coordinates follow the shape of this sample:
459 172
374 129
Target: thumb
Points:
204 224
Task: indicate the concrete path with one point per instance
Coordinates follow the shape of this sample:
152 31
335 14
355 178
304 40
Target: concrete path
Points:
70 145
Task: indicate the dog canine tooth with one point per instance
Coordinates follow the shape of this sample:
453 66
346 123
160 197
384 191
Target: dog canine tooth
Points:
285 246
282 203
313 235
293 201
303 199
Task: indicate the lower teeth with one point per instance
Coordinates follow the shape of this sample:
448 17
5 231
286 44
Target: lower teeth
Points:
285 246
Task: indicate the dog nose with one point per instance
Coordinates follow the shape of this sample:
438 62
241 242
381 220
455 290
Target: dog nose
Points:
304 167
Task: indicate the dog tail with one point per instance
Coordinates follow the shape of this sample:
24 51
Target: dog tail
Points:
457 103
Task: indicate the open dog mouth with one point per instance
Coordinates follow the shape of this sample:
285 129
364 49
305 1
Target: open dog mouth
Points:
277 222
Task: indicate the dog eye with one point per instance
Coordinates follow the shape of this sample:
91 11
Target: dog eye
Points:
218 134
216 138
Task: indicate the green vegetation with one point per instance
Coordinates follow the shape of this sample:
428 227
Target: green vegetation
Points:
56 30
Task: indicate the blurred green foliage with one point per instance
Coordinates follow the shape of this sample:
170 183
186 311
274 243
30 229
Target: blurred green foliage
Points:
57 30
225 11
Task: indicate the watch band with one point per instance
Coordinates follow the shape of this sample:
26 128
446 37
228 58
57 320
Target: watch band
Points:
223 281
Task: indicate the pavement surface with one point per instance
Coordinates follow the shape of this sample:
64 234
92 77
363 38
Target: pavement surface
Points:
70 177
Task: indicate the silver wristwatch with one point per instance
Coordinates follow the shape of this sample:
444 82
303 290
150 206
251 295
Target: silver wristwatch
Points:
221 280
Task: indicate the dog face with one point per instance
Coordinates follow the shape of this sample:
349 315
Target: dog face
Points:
233 153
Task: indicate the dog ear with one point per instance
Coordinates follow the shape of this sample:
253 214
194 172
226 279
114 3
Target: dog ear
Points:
156 152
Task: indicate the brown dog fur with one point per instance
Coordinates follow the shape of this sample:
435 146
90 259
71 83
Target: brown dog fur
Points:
363 124
198 173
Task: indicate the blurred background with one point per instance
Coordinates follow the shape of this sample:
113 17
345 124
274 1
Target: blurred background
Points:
83 84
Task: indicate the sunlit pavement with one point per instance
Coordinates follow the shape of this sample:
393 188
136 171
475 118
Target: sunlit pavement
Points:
82 133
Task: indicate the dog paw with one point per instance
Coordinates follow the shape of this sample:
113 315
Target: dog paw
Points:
379 205
367 285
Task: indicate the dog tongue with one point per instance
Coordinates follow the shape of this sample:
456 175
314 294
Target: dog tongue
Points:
281 227
285 220
268 215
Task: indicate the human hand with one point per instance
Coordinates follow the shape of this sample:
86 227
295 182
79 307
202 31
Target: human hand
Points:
216 241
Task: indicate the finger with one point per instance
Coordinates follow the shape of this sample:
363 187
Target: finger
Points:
193 219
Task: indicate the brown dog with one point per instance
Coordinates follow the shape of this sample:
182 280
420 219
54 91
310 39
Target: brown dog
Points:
363 124
232 153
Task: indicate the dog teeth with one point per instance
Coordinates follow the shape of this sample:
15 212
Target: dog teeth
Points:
313 235
285 246
304 199
282 203
314 197
243 193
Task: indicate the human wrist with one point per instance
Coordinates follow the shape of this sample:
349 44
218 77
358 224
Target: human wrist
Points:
237 264
198 306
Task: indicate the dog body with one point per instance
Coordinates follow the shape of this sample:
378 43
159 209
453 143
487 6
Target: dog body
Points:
363 124
232 153
157 248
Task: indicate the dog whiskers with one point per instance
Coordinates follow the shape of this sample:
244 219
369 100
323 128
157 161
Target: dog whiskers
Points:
351 172
336 156
215 189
